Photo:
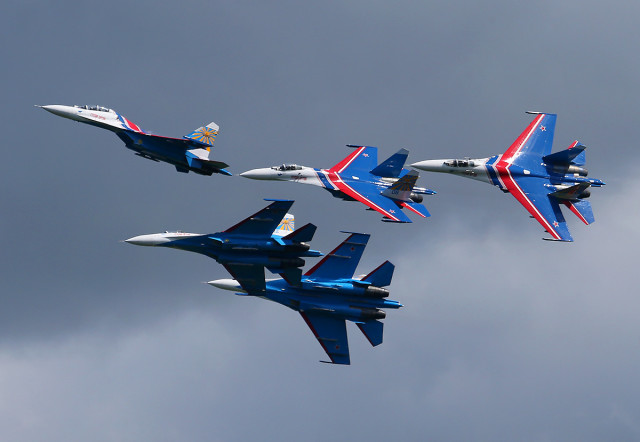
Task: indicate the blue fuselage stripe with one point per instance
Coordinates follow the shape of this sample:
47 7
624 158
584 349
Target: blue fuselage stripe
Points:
492 171
323 179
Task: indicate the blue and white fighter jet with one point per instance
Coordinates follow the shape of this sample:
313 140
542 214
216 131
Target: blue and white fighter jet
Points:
540 180
329 295
190 153
265 239
385 188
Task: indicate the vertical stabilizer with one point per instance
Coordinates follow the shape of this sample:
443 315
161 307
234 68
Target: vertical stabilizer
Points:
303 234
392 166
205 135
401 189
286 226
381 276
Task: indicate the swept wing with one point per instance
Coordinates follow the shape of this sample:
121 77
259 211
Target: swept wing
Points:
264 222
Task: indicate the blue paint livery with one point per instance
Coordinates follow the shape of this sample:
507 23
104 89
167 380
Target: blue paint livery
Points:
328 296
248 247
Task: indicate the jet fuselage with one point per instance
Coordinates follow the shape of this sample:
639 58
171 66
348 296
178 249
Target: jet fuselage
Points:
346 299
226 247
490 171
323 178
186 154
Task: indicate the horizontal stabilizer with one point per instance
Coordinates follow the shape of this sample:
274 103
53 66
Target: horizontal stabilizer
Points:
381 276
392 166
303 234
331 333
205 135
416 208
199 159
573 155
373 331
571 193
581 209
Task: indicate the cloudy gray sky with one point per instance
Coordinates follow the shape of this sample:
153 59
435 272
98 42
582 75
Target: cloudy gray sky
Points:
503 337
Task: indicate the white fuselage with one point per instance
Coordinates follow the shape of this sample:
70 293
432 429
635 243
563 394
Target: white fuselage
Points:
475 169
158 239
94 115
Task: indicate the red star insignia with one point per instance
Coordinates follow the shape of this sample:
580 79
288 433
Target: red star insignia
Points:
556 224
365 155
543 128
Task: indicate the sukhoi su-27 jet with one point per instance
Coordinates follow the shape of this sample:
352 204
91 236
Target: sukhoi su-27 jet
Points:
189 153
540 180
386 187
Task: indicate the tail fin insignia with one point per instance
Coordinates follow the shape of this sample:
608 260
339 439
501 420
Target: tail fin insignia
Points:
286 226
205 135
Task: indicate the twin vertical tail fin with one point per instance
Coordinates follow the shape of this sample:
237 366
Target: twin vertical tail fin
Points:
401 189
205 135
303 234
381 276
286 226
392 166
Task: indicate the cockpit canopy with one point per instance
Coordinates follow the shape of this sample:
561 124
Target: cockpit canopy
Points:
287 167
95 108
460 163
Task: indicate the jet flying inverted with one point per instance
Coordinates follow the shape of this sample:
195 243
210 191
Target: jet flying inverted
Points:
265 239
190 153
385 188
329 295
540 180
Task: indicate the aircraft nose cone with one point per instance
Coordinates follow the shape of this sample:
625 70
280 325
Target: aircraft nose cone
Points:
428 165
56 109
146 240
258 174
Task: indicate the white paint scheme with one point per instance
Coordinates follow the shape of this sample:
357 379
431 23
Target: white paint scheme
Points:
87 114
156 239
475 168
227 284
298 174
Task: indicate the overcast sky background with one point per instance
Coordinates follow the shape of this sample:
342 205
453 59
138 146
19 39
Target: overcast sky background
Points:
502 337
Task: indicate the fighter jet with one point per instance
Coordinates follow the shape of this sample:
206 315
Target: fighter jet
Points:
329 295
190 153
385 188
539 180
265 239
